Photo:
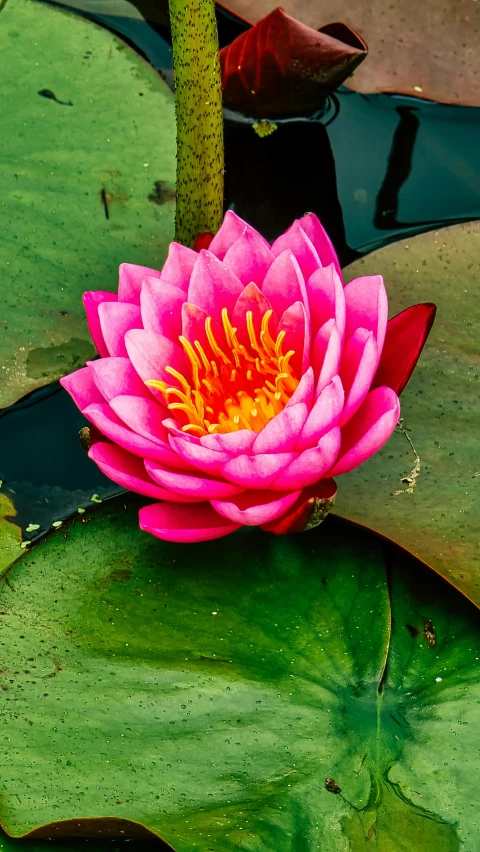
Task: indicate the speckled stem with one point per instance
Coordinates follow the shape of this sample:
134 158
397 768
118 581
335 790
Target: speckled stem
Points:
199 119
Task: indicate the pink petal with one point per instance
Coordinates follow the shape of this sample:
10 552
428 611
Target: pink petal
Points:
190 484
144 416
130 281
304 390
180 523
229 232
310 465
116 376
91 300
82 388
367 307
280 435
326 299
213 286
178 266
325 414
127 470
284 283
326 354
233 443
193 328
320 239
357 369
202 458
116 318
254 507
297 336
161 306
252 299
368 431
112 427
151 353
232 227
249 258
302 247
256 471
174 428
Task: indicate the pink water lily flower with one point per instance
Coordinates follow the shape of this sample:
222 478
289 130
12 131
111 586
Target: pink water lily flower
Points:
234 384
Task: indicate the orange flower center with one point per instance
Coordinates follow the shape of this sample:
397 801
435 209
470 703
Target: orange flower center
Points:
237 387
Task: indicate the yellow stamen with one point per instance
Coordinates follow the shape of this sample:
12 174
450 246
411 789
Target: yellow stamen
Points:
157 384
213 343
204 358
181 379
229 390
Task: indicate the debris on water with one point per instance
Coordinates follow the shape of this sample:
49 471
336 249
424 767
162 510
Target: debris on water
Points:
47 93
95 498
85 439
81 511
105 198
332 786
264 128
57 524
410 478
32 528
25 544
430 634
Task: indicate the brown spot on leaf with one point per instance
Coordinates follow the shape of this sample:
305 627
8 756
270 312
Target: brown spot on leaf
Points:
161 193
332 786
49 362
58 669
120 575
430 635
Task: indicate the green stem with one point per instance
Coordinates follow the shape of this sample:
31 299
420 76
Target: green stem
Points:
199 119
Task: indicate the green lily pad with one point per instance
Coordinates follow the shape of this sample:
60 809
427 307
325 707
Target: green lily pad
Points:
209 691
90 134
439 520
10 534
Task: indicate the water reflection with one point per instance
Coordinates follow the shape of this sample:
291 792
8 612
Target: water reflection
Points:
377 168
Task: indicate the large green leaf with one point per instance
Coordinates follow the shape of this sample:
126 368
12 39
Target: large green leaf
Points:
10 534
208 691
117 138
439 521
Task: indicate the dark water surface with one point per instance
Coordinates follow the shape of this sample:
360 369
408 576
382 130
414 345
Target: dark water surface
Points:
374 168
